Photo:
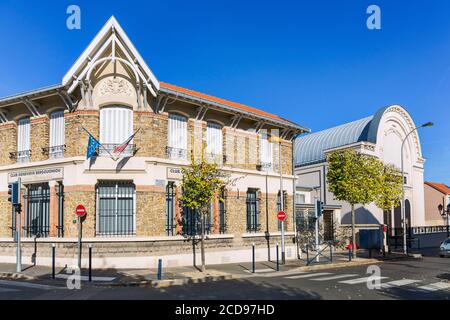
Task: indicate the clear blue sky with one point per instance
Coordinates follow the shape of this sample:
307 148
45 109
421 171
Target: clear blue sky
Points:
313 62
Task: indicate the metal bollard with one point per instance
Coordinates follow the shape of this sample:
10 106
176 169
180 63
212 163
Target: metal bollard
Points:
159 276
254 258
90 263
53 260
278 257
349 255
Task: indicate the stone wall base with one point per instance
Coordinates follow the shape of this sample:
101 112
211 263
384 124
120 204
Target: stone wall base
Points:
145 254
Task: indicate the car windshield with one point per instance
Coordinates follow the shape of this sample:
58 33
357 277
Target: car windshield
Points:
447 241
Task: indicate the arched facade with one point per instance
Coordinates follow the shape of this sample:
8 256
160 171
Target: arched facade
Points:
380 135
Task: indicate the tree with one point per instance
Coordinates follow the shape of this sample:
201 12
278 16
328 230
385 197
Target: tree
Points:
355 178
390 193
201 181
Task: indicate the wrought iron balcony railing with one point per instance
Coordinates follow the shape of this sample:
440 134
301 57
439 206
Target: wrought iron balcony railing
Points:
218 159
176 153
21 156
55 152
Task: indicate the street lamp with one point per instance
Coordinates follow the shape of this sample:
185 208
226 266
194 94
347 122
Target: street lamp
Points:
445 213
405 245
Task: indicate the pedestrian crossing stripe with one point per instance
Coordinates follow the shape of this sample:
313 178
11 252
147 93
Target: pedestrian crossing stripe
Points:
341 276
435 286
362 280
310 275
398 283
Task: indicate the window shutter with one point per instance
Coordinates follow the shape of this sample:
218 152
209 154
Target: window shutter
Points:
116 125
177 132
57 129
23 135
266 149
214 144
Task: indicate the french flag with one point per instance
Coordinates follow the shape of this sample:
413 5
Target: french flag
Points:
121 148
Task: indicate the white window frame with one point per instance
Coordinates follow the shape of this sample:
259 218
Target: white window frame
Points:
57 135
214 142
177 137
23 140
116 126
266 152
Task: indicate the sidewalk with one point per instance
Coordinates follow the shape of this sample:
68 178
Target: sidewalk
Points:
179 275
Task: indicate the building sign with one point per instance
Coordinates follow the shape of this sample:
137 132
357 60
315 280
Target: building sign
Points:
38 175
174 174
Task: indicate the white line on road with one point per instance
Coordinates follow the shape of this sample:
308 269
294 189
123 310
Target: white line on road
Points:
310 275
435 286
342 276
85 278
398 283
362 280
28 285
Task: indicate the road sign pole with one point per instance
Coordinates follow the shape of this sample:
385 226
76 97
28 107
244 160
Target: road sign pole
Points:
18 209
79 242
283 248
317 230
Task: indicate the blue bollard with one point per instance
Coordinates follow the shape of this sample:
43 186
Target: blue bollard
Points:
159 269
350 255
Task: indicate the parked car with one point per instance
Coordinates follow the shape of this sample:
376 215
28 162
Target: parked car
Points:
445 248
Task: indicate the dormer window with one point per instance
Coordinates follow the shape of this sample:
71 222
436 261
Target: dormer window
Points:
23 140
116 126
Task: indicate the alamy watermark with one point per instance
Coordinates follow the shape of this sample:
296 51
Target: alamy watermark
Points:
374 20
374 280
74 280
73 22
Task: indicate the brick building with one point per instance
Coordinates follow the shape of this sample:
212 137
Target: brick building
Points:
133 212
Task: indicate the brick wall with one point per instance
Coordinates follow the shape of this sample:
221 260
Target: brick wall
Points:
151 140
76 137
74 196
39 137
5 216
150 211
8 141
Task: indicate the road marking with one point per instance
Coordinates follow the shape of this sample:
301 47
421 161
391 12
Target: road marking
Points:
362 280
310 275
85 278
342 276
28 285
435 286
398 283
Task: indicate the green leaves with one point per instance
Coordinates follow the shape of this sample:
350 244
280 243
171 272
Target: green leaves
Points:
354 177
358 178
201 181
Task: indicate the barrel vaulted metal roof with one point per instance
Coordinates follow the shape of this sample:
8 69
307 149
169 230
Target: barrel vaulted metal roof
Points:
311 148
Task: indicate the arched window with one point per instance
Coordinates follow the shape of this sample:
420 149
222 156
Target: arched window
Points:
57 135
177 137
23 140
214 144
116 126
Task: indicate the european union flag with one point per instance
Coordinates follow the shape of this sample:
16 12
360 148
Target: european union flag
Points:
93 144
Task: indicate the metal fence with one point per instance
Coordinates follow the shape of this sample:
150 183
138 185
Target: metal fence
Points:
116 209
253 224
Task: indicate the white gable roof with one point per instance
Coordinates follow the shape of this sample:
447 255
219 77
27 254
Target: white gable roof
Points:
111 30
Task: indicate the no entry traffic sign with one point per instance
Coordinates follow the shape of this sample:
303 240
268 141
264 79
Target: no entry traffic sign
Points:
80 210
281 216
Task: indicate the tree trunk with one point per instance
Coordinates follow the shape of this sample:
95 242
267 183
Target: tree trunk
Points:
353 232
202 244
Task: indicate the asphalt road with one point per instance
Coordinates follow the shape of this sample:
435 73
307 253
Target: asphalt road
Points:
428 278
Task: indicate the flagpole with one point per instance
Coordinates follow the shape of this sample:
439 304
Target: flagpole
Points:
97 141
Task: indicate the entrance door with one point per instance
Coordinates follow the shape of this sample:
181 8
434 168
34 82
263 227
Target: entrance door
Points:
37 222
